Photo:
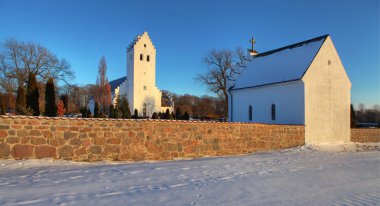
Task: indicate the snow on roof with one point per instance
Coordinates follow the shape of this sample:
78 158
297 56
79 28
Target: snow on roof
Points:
280 65
115 83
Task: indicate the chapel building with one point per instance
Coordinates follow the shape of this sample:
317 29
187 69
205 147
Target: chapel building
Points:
303 83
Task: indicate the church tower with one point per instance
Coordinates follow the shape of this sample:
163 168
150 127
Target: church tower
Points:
143 93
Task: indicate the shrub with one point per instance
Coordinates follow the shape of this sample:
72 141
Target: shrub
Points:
32 95
20 101
50 106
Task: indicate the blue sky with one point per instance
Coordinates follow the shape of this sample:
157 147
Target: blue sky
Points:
183 32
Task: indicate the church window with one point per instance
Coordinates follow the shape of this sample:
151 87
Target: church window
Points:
273 112
250 113
144 88
147 58
141 57
329 62
144 45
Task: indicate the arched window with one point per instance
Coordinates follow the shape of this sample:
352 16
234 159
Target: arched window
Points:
273 112
250 113
141 57
147 58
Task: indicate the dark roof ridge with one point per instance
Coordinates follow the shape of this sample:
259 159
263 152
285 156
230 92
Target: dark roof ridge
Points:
291 46
118 79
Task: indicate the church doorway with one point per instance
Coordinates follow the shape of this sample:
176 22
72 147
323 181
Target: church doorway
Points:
144 110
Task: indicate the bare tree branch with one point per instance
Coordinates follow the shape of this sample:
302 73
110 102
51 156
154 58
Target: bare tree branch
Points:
222 66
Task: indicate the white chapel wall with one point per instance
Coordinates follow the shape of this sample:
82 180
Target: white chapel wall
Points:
288 98
327 98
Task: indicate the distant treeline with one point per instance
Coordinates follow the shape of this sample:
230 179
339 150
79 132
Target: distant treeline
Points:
365 117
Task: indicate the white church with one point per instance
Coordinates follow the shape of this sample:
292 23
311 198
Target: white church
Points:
140 83
303 83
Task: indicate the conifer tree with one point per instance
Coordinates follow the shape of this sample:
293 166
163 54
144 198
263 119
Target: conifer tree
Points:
167 114
50 105
186 116
32 95
155 115
84 112
136 114
96 110
125 111
20 101
172 116
178 113
112 112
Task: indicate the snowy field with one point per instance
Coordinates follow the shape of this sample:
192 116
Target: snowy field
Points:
344 175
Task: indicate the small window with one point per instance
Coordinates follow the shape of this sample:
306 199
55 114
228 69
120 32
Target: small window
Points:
273 112
141 57
147 58
144 45
250 113
329 62
144 88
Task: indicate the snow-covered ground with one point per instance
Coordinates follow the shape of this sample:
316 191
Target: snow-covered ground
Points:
344 175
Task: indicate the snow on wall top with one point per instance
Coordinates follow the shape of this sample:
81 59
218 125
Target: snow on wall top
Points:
280 65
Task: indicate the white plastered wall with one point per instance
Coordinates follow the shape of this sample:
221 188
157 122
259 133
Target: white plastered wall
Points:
142 84
288 98
327 98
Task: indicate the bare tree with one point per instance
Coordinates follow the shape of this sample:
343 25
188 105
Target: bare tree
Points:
103 95
18 59
222 66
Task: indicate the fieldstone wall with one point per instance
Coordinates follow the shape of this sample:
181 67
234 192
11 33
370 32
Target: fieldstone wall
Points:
364 135
136 140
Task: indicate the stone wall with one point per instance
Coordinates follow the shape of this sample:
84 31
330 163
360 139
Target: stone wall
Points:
365 135
136 140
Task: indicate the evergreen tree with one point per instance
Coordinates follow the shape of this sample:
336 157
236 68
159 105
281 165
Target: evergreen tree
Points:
167 114
155 115
20 101
136 114
84 112
186 116
96 110
32 95
50 105
2 105
112 112
172 116
160 115
178 113
125 111
118 107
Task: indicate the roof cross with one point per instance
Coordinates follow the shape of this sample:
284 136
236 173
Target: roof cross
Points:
253 41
